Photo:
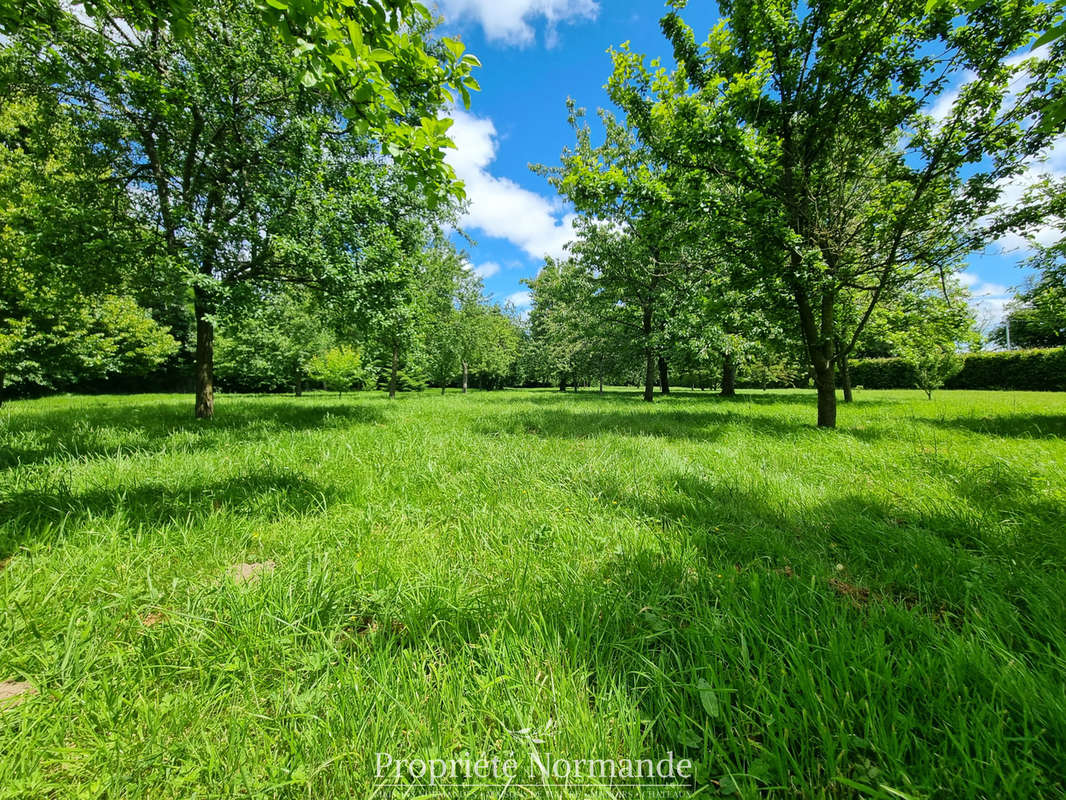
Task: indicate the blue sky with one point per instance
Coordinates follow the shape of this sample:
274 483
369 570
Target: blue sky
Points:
536 54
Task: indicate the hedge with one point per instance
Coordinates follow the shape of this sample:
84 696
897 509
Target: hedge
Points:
1030 370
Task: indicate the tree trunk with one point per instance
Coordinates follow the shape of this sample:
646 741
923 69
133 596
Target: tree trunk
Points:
395 370
299 383
1 388
577 383
845 379
466 376
825 380
649 358
601 385
664 376
442 387
205 358
729 376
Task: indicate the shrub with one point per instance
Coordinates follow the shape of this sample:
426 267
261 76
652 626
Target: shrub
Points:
339 369
1024 370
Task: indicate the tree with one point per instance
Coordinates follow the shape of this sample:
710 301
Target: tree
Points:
810 128
270 346
339 369
1037 316
238 155
629 226
67 310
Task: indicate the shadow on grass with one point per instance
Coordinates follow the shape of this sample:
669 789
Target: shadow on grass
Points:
672 423
102 430
1013 426
266 493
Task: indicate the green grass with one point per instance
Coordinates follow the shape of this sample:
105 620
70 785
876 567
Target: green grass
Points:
874 611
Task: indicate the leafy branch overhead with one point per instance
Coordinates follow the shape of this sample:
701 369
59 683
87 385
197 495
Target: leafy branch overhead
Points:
377 58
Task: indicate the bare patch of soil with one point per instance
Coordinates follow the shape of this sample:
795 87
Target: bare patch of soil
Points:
14 692
251 572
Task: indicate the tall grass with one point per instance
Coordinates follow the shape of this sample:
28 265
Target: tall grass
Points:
873 611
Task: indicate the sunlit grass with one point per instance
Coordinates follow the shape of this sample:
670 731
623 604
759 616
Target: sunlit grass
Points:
802 612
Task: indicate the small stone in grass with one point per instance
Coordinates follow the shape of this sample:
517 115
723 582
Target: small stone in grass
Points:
14 692
245 573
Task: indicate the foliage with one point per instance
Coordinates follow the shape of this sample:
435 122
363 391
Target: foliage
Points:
248 189
269 347
806 135
67 311
1037 317
339 369
376 59
1016 370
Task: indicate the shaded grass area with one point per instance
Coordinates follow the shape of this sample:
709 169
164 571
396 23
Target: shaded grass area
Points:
876 611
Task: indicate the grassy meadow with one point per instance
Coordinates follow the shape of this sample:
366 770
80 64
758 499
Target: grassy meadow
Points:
257 605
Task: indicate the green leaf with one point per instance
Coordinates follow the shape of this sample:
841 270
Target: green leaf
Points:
455 47
709 699
1051 35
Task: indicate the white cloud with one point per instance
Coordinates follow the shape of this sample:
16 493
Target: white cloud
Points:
1052 164
509 21
499 207
487 270
520 299
987 299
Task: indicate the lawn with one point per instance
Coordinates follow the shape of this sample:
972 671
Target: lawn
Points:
260 604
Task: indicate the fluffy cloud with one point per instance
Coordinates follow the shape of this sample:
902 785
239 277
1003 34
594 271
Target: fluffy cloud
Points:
509 20
499 207
520 299
988 299
487 270
1052 163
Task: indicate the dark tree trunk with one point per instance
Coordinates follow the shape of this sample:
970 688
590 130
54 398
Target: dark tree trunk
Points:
664 376
442 387
649 358
395 370
601 385
466 376
845 379
562 383
825 380
729 377
205 358
2 376
299 384
577 384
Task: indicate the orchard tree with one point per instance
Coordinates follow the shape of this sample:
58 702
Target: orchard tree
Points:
814 130
339 369
630 228
1037 316
232 142
69 256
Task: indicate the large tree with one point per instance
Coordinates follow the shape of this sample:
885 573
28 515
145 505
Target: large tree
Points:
814 127
251 177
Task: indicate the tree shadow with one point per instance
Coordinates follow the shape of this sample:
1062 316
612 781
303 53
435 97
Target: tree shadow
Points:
101 430
269 492
1032 425
667 423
